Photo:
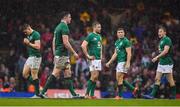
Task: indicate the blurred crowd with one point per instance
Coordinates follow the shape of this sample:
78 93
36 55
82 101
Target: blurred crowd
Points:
140 19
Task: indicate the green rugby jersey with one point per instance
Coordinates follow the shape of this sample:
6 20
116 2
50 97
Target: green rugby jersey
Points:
121 45
94 45
32 38
61 29
167 59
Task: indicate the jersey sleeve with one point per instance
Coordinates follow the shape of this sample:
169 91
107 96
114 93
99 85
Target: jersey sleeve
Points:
65 30
127 44
37 36
88 38
167 42
115 44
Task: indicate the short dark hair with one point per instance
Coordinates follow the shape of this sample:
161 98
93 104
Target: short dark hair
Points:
25 26
95 23
63 14
163 28
120 28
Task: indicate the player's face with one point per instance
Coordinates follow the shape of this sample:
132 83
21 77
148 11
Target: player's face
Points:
161 33
68 18
98 28
120 33
27 31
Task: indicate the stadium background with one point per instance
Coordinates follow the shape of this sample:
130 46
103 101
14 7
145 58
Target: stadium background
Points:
140 19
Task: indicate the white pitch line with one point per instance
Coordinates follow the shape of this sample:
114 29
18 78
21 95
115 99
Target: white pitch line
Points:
89 106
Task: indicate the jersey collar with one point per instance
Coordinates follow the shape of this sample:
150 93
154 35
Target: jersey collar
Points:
95 33
163 37
31 33
122 38
63 22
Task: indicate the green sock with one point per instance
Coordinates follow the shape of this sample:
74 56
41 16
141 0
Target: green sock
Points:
154 91
127 84
93 87
89 85
173 91
30 79
36 84
120 87
69 83
49 81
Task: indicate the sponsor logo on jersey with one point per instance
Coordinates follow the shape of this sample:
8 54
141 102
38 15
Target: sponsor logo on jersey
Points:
94 39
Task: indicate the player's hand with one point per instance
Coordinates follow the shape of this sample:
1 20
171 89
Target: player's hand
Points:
155 59
76 55
90 57
108 65
26 41
127 65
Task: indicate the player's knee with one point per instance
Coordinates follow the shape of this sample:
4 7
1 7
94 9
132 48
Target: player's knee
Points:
96 75
56 72
157 81
120 82
93 78
34 73
67 73
34 76
171 83
25 75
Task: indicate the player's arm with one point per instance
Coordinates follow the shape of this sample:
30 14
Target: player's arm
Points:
84 48
68 45
112 58
36 44
163 53
53 45
128 51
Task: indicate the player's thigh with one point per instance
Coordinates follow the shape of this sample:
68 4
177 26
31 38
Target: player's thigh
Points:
34 73
94 75
169 76
158 77
119 75
56 72
26 71
170 79
67 71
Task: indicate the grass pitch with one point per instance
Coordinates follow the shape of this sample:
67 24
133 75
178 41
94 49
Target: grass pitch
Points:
87 102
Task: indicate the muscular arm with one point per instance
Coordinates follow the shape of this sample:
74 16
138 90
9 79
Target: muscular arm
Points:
84 48
128 51
113 57
164 52
36 44
67 44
